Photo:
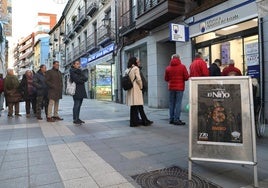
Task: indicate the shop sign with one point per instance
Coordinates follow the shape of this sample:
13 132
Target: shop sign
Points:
179 33
216 22
252 59
102 52
83 61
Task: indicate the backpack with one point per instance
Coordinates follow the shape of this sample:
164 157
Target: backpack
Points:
1 85
126 82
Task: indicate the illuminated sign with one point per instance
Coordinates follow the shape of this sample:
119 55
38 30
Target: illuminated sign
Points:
179 33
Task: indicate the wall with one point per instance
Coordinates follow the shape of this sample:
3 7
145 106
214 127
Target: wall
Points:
265 61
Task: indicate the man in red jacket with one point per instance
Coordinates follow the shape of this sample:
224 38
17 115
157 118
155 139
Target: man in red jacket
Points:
176 74
231 70
198 67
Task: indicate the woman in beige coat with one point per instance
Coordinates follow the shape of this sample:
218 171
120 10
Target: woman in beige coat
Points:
134 95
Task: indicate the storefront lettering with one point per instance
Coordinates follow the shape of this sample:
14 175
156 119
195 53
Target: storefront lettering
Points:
218 94
214 22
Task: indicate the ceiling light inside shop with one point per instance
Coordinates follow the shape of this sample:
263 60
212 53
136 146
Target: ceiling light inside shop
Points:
230 27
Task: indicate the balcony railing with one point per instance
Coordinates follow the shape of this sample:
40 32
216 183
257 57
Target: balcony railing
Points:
105 35
92 7
91 45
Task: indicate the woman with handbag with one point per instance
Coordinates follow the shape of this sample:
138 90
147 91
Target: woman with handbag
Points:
12 93
77 76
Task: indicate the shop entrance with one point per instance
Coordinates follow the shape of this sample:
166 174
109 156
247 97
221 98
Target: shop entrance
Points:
241 46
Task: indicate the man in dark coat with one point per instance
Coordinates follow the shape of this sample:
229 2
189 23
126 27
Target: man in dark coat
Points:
41 91
54 82
214 69
77 76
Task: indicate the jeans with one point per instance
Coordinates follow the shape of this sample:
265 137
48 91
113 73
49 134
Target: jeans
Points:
175 99
41 102
76 108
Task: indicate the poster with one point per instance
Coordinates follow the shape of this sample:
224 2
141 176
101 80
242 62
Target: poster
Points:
219 114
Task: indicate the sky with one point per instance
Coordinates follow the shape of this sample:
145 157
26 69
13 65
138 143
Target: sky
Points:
24 14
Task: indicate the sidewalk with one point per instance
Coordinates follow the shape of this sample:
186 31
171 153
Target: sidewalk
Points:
105 152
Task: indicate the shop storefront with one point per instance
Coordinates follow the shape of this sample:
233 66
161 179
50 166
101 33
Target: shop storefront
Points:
101 69
228 33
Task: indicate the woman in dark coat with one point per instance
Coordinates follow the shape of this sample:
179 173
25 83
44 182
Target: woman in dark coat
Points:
77 76
29 92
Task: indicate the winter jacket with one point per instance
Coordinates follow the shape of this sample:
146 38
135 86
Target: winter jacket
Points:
54 83
11 89
198 68
214 70
24 88
176 74
39 83
231 70
79 78
134 95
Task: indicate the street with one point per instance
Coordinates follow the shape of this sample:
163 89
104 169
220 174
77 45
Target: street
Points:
106 151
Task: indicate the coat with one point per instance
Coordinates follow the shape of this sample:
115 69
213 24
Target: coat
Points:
176 74
11 89
54 82
23 87
231 70
134 95
79 78
198 68
39 83
214 70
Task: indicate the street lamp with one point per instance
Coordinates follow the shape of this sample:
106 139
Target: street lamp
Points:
107 21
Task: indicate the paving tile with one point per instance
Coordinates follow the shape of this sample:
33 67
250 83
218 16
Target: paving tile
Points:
69 174
13 173
42 169
109 179
14 164
15 157
68 165
53 185
21 182
44 179
86 182
133 154
41 160
123 185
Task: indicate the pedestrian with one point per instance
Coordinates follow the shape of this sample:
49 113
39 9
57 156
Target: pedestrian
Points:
144 89
198 67
1 92
53 78
176 74
12 93
134 97
41 91
28 92
77 76
214 69
231 70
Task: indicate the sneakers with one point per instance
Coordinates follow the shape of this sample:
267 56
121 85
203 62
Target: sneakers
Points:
81 121
179 122
78 122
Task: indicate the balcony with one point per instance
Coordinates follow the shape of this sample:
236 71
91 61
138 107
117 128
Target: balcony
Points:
128 23
70 34
66 40
91 45
25 47
154 13
92 8
105 35
80 21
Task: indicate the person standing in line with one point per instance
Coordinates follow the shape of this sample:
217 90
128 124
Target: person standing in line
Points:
144 89
134 97
214 69
198 67
53 78
41 91
231 70
12 93
77 76
1 92
29 92
176 74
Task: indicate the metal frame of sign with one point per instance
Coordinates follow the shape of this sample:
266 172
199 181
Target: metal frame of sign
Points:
221 121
